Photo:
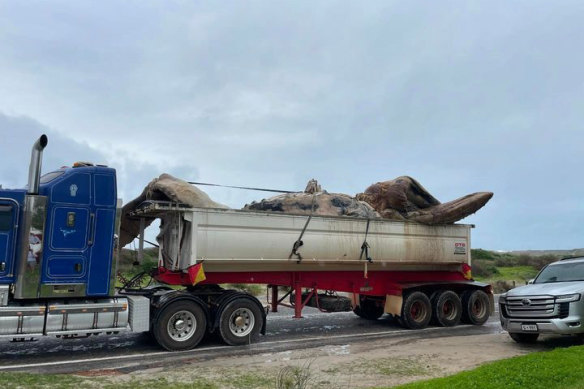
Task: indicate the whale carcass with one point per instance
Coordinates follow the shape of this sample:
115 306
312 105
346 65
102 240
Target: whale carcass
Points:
402 198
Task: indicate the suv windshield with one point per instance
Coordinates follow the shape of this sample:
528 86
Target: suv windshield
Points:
561 272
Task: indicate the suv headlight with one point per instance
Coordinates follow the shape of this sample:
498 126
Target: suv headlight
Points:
503 298
568 298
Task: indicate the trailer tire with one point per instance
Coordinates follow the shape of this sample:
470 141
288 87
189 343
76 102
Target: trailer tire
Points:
446 308
475 307
523 338
240 322
368 309
180 326
416 311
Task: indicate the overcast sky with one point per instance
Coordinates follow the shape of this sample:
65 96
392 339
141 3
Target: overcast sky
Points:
464 96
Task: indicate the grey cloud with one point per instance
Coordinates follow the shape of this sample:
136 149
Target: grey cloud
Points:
19 133
464 96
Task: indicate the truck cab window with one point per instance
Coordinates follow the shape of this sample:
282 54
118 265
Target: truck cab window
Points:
50 176
5 218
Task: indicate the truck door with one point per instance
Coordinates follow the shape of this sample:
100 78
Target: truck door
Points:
78 251
70 223
8 223
102 239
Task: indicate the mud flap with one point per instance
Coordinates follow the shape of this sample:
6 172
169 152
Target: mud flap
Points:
393 305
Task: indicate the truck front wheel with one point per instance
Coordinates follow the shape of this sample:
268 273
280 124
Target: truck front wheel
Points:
416 311
180 326
240 322
475 307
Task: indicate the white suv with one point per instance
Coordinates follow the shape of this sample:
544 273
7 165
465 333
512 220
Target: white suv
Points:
551 303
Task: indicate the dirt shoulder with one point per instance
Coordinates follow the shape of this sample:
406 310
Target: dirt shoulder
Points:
380 362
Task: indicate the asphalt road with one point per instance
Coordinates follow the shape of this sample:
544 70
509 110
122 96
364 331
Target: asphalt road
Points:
130 352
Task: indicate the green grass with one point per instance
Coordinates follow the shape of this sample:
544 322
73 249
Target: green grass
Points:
490 255
162 383
560 368
519 274
25 380
249 381
62 381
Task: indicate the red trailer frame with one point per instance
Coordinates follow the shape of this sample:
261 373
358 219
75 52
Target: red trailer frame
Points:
372 283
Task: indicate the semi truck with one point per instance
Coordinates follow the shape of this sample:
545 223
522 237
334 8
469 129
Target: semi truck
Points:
59 255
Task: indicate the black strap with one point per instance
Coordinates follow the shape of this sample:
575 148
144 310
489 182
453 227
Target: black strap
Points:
299 241
242 187
365 246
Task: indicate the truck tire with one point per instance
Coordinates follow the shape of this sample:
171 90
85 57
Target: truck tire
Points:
524 338
475 307
416 311
446 308
368 308
240 322
180 326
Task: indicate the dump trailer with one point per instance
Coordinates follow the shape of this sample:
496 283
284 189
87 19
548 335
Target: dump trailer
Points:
59 254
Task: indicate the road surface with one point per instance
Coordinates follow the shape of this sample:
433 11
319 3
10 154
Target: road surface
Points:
131 352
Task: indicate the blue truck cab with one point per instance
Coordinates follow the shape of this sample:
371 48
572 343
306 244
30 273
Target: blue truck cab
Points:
47 234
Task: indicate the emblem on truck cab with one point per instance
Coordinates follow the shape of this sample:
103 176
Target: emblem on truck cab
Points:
73 190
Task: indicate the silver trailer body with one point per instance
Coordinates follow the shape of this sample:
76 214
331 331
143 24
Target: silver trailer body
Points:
236 240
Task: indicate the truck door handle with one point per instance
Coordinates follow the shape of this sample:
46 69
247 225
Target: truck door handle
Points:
78 267
2 266
91 229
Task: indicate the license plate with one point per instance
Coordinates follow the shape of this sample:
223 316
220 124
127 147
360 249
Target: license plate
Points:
528 327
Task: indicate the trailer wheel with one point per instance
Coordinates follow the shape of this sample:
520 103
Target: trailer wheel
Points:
416 311
240 322
523 338
446 308
475 307
368 308
180 326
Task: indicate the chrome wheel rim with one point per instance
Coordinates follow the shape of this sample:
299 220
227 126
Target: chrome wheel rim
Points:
241 322
182 326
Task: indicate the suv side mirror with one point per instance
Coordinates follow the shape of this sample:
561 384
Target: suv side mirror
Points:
530 281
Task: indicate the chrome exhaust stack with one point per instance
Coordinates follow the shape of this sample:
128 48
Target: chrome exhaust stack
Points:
28 280
36 159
